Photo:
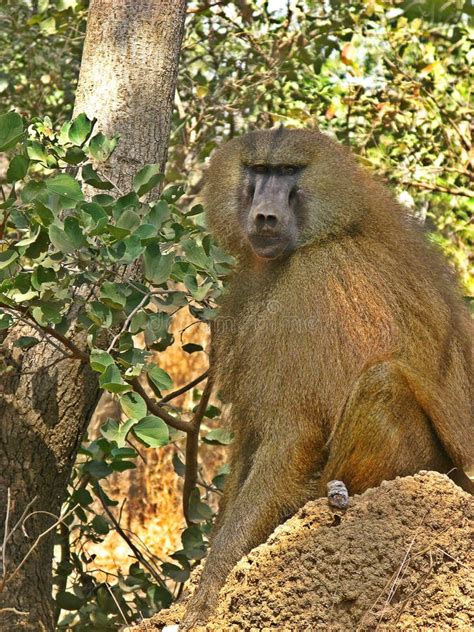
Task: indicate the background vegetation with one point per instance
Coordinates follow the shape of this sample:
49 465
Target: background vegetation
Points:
392 79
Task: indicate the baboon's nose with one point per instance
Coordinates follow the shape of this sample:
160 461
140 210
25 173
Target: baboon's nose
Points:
265 221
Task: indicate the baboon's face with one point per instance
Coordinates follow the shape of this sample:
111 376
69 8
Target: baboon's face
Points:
271 208
271 192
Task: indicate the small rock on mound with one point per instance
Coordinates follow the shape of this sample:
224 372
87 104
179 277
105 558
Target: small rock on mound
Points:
400 557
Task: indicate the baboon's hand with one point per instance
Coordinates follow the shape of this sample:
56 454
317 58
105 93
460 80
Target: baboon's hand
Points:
338 496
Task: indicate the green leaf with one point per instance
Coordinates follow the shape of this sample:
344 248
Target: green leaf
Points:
6 320
198 292
159 214
75 232
80 129
66 187
31 190
147 178
191 347
129 220
17 169
100 360
82 496
219 436
152 431
193 543
11 130
113 295
159 380
26 342
115 431
133 405
100 147
176 573
37 151
195 253
7 257
60 239
157 267
90 176
99 314
97 469
100 525
121 466
197 510
178 465
125 201
123 453
172 193
47 314
68 601
111 380
74 156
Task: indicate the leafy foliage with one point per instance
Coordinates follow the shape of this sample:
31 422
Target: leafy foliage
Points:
62 271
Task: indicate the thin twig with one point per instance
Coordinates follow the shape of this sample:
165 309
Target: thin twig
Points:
183 389
127 322
5 536
401 568
34 545
138 554
116 603
20 613
439 188
19 522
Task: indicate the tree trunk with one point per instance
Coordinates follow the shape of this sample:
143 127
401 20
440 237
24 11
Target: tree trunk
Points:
127 81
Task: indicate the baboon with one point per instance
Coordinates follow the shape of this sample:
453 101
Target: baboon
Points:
342 347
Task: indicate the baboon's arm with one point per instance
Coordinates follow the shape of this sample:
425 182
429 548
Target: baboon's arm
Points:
276 485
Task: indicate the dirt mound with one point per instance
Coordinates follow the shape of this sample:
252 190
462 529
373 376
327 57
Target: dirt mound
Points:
399 558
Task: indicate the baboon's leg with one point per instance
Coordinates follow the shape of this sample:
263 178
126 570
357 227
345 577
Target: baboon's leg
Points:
382 433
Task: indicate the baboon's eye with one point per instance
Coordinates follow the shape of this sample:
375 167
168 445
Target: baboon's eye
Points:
260 168
293 195
250 191
288 169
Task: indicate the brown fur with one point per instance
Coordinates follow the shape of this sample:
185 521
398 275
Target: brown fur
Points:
349 359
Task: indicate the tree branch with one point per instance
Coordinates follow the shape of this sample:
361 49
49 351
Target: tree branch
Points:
156 409
192 442
183 389
437 187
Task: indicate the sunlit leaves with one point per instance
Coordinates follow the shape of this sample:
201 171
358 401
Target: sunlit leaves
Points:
133 405
100 360
18 168
11 130
80 129
111 380
146 179
101 147
159 380
152 431
66 187
7 257
157 266
220 436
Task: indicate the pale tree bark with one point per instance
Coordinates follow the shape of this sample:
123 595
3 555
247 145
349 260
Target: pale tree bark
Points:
127 81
